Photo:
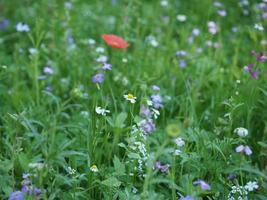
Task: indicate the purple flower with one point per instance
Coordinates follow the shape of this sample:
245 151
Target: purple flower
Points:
98 78
231 177
156 100
253 73
260 57
202 184
48 70
147 126
187 198
222 13
162 168
107 66
155 88
181 53
17 195
243 149
145 111
182 63
4 24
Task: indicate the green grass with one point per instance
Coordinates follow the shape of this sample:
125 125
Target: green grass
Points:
53 121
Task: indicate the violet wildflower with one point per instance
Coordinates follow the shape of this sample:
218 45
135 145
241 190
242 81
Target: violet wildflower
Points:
182 63
17 195
253 73
4 24
106 66
48 70
162 168
202 184
243 149
147 126
155 88
260 57
145 111
222 13
181 53
156 101
231 177
98 78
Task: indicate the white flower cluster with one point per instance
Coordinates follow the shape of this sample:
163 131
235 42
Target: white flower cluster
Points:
241 192
152 41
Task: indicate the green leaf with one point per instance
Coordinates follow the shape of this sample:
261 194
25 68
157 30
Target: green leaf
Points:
111 182
120 119
119 167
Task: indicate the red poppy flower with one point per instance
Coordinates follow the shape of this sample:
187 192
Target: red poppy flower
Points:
115 41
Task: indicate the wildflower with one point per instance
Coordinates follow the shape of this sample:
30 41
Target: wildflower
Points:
231 177
33 51
101 111
71 171
4 24
155 88
115 41
212 26
242 132
91 41
130 97
152 41
195 32
187 198
181 18
145 111
202 184
37 166
179 142
156 100
21 27
48 70
17 195
107 66
164 3
147 126
173 130
100 50
260 57
254 73
251 186
177 152
181 53
94 168
162 168
243 149
182 63
102 59
98 78
259 27
155 113
222 13
124 60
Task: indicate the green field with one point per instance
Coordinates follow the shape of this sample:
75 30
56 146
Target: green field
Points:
133 99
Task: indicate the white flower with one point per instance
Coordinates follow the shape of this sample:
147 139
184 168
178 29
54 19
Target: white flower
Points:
156 113
181 18
71 171
177 152
164 3
124 60
94 168
179 142
102 59
21 27
91 41
152 40
100 50
33 51
130 97
251 186
37 166
101 111
259 27
242 132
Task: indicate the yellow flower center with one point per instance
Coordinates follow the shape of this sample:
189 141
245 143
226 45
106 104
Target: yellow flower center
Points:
130 96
